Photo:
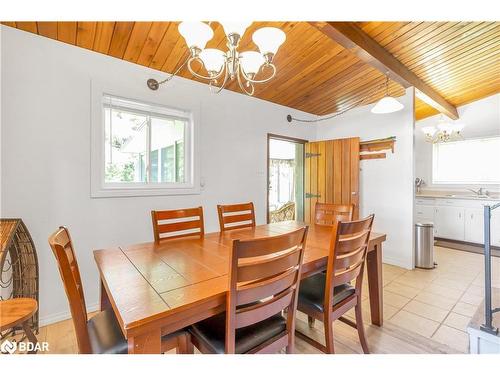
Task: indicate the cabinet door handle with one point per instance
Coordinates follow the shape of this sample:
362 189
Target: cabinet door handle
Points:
459 215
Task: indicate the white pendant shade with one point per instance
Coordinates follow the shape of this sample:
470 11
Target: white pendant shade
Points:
251 62
387 105
231 27
268 39
213 59
196 34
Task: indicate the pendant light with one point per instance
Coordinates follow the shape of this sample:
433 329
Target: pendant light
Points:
387 104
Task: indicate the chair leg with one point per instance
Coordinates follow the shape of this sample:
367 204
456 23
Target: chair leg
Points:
310 321
329 334
290 348
360 327
184 345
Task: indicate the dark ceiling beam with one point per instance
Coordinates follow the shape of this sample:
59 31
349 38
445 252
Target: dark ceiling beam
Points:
352 38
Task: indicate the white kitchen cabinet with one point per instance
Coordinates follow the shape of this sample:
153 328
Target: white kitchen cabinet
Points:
449 222
458 219
474 225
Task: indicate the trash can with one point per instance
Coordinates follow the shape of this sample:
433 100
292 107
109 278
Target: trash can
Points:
424 245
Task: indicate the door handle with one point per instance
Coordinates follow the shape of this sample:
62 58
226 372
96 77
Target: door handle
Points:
309 195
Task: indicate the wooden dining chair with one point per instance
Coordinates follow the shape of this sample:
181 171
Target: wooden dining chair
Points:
329 213
263 278
100 334
183 222
327 297
236 216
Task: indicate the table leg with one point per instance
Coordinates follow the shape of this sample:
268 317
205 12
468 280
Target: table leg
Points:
30 336
145 343
104 299
374 270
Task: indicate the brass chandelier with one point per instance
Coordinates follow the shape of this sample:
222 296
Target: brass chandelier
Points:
445 131
247 68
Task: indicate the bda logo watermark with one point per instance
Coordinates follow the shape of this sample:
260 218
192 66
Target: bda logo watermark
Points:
10 347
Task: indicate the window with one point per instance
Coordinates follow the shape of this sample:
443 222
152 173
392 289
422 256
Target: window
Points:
472 161
145 149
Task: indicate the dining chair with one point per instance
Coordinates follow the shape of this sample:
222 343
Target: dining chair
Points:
101 334
328 296
183 222
236 216
329 213
263 278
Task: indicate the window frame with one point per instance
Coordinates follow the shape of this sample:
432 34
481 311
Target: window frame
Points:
99 187
436 181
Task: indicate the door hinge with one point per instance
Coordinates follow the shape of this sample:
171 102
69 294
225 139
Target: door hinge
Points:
311 155
309 195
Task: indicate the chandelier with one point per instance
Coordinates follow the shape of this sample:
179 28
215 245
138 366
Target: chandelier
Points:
444 131
247 68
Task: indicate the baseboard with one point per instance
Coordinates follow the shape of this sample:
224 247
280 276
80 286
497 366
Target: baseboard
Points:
396 262
466 246
64 315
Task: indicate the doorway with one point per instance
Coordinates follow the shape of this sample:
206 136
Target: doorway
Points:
285 178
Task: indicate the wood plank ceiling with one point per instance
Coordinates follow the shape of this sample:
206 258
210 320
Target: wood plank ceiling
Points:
460 60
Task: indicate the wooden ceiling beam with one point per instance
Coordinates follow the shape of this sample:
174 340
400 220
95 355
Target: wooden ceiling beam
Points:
352 38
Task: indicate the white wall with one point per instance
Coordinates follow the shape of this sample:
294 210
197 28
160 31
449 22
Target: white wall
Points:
386 185
482 119
45 152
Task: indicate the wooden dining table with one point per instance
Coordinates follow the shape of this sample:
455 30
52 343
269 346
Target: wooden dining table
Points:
158 288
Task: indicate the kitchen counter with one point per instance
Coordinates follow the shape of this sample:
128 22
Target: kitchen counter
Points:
456 196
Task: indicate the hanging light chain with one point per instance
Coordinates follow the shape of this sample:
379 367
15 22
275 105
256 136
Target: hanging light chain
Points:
290 118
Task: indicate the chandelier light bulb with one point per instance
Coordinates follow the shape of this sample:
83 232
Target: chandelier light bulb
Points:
458 126
268 39
213 59
231 27
445 127
251 62
429 130
196 34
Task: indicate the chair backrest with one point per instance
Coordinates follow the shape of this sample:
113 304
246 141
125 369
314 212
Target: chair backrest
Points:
178 223
263 280
347 255
329 214
235 216
62 247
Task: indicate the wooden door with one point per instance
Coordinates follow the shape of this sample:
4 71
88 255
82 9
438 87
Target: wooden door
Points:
331 174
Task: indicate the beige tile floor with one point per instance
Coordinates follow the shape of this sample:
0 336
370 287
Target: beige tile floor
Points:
425 311
439 303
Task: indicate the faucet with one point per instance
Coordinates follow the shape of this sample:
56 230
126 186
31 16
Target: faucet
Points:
481 191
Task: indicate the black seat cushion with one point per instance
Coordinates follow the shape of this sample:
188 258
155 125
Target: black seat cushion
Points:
312 291
212 333
105 334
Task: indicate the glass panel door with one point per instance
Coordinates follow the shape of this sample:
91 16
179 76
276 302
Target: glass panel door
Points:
285 179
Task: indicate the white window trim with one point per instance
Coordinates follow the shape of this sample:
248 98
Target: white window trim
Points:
436 181
100 189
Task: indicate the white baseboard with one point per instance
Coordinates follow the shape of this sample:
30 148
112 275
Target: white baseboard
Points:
63 315
396 262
